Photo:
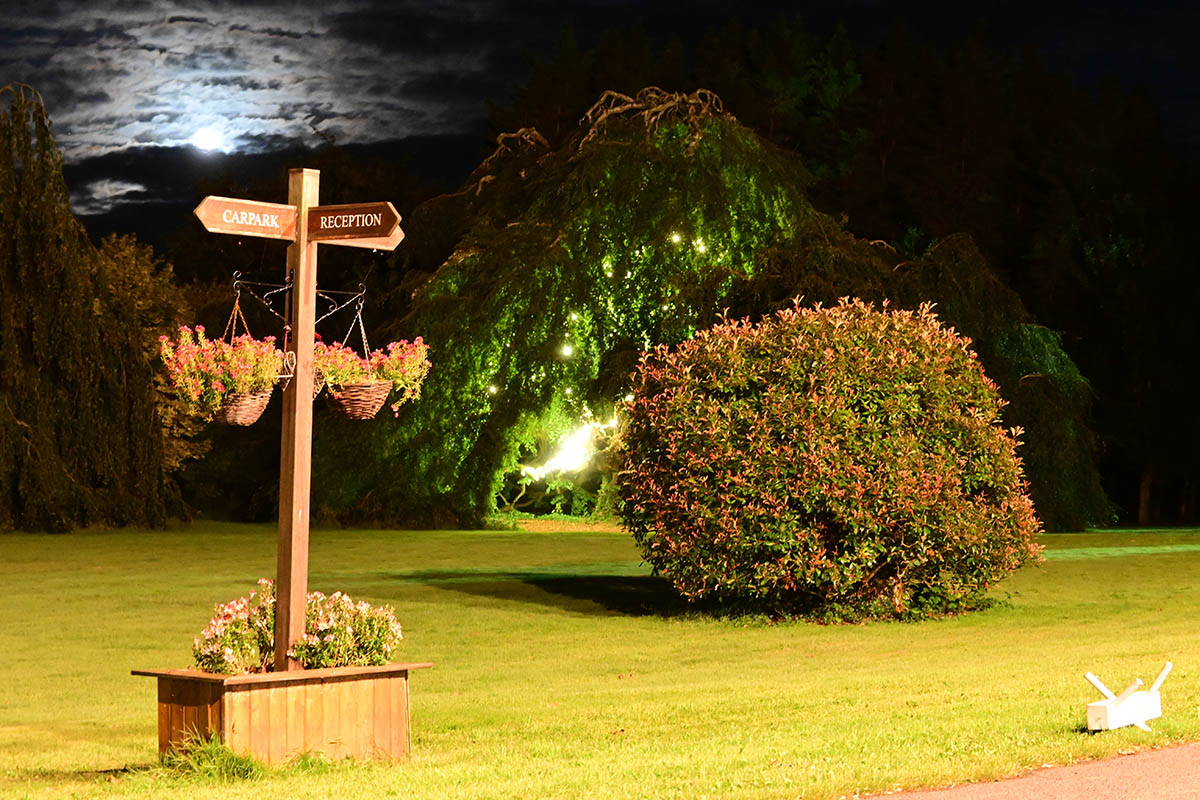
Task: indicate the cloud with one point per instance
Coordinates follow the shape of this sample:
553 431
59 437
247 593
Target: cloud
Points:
100 196
265 73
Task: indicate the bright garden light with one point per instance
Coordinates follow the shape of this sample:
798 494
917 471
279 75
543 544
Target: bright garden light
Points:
568 351
573 454
676 238
574 451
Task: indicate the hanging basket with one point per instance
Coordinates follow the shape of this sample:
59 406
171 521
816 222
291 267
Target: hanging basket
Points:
360 400
318 383
242 408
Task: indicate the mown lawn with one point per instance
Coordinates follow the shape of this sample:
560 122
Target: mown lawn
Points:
563 670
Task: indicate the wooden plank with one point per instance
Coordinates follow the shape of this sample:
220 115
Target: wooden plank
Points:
177 723
314 718
331 707
363 723
193 674
352 713
241 729
284 677
325 674
406 719
381 716
294 694
233 704
186 700
277 730
388 242
164 715
259 717
212 715
295 466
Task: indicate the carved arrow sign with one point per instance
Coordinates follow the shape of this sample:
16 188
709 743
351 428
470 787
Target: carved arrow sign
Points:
247 217
334 224
373 242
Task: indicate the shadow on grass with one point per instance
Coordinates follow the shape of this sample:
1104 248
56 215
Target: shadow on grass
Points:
588 594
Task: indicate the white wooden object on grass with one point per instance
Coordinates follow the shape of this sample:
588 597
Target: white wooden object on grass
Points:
1130 707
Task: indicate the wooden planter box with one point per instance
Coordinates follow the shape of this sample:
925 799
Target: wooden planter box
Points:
359 712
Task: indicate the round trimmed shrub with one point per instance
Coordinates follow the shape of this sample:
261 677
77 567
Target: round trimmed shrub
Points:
838 462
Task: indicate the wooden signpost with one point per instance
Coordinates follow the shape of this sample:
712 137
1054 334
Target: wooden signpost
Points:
359 712
305 224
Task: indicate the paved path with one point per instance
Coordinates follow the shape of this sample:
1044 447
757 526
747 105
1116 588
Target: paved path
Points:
1170 774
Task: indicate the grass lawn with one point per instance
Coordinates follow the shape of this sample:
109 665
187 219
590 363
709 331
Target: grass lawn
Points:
563 670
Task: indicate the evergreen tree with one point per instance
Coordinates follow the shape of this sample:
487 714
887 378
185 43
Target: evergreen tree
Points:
79 433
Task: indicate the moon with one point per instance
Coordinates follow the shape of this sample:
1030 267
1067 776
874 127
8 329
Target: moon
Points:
208 139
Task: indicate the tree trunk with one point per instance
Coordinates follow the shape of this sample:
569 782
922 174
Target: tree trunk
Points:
1144 516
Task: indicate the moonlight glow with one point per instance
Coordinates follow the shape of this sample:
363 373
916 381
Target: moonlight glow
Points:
208 139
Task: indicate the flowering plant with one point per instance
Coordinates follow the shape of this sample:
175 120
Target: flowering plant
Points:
339 632
241 635
403 363
203 371
339 364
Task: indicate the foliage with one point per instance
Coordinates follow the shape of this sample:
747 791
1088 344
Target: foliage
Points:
240 638
1076 199
204 371
211 761
80 439
659 213
829 460
1045 393
569 263
147 283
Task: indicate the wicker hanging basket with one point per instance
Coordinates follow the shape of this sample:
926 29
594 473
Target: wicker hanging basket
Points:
360 400
318 383
242 408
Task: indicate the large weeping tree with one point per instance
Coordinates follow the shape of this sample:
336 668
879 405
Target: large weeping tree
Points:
539 284
79 433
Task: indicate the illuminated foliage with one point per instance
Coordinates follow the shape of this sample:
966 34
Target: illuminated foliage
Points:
567 265
538 285
843 461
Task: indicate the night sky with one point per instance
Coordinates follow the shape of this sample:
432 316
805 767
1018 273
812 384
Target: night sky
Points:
144 94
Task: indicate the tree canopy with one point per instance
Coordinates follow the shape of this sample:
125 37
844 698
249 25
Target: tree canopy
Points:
539 283
80 436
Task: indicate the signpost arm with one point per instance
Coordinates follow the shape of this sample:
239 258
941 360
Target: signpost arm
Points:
295 467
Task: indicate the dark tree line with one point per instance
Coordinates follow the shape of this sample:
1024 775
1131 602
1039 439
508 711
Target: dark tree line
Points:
84 436
1069 197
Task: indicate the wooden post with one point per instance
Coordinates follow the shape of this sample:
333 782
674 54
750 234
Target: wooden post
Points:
304 223
295 466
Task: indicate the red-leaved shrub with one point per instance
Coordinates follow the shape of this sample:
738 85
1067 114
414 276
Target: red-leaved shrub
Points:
838 462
